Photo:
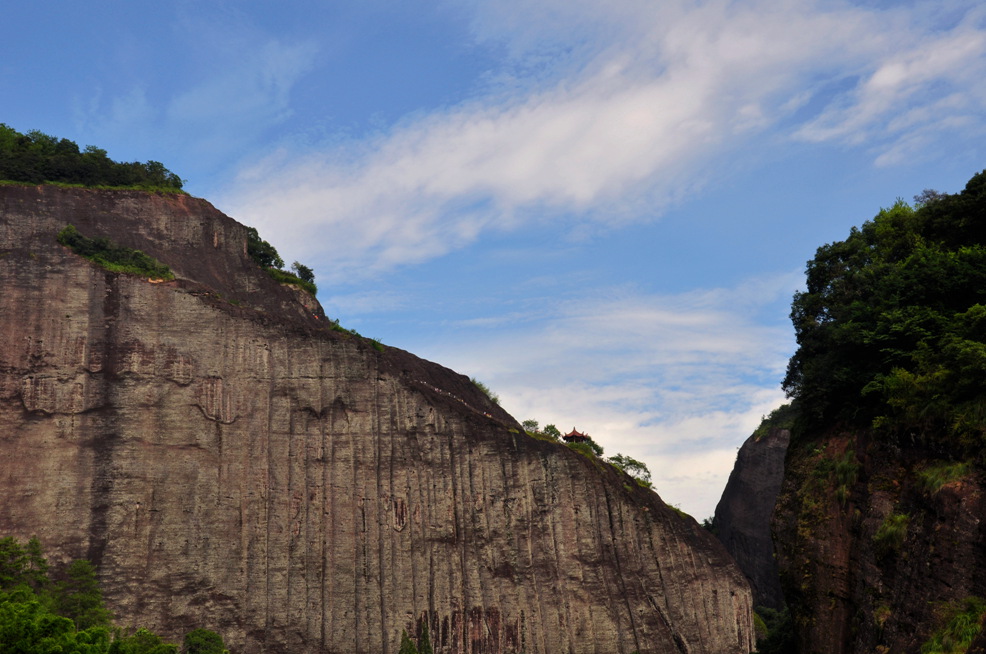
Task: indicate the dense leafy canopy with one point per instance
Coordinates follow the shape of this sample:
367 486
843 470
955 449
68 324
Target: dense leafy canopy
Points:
36 158
261 251
39 615
892 326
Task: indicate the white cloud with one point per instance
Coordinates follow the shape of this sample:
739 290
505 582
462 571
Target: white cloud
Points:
672 380
920 87
240 95
638 102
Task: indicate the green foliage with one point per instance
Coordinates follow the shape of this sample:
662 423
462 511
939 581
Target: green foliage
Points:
780 637
22 565
142 642
845 472
493 397
79 598
262 252
424 640
892 326
596 448
759 626
203 641
783 417
407 645
284 277
963 622
265 255
933 477
550 433
303 272
891 533
636 469
28 626
37 158
68 617
582 448
114 258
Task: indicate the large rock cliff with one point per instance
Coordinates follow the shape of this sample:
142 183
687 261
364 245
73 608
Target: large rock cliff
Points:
879 544
742 517
228 461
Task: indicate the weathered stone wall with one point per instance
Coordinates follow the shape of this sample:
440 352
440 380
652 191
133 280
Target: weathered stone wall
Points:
851 591
742 517
237 466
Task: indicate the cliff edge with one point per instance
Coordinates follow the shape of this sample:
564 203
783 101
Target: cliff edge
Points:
742 517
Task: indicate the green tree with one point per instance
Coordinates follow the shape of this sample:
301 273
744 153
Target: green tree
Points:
22 565
79 598
203 641
27 626
636 469
407 645
891 328
424 641
261 251
142 642
303 272
530 425
552 431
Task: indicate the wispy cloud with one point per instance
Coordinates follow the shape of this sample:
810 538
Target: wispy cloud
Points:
934 84
218 117
672 380
611 113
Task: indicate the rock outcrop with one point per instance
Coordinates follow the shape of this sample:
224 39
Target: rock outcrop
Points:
742 517
229 461
878 543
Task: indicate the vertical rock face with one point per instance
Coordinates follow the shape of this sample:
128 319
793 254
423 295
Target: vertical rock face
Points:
743 514
874 557
228 462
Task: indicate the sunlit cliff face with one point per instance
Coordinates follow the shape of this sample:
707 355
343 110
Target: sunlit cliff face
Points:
217 450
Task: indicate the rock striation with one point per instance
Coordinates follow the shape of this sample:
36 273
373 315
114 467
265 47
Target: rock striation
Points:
228 461
742 517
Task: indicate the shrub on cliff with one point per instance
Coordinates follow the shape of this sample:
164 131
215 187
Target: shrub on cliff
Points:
891 329
265 255
115 258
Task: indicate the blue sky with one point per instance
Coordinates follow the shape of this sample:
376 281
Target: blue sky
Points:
600 209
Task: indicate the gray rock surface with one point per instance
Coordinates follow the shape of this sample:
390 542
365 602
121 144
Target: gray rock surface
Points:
229 462
742 517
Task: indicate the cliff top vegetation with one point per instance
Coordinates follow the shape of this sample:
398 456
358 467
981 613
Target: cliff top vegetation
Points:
38 158
891 329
